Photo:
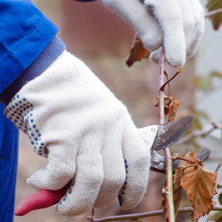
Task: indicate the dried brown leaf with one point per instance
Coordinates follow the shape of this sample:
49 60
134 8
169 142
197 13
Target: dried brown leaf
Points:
177 188
137 52
199 184
156 101
164 200
171 106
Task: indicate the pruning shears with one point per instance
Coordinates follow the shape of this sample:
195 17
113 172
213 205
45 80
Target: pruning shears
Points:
167 135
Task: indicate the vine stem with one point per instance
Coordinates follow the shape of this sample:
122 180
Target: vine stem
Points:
148 214
160 83
200 133
214 12
169 173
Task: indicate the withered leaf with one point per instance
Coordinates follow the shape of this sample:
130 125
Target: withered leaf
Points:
177 188
199 184
164 200
137 52
217 18
156 101
171 106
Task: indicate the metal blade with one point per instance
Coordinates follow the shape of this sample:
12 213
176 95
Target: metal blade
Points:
204 155
158 161
200 156
170 133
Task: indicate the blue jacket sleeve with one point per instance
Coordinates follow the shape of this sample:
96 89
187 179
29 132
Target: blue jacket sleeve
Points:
25 33
8 167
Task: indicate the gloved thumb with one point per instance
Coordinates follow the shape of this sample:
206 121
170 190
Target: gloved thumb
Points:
52 178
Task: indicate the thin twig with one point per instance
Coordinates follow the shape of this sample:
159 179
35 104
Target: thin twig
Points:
214 12
93 214
169 174
184 159
169 85
92 217
218 167
169 80
160 83
200 133
148 214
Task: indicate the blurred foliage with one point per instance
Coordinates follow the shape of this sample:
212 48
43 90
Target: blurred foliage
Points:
205 83
220 198
217 18
197 124
197 116
217 216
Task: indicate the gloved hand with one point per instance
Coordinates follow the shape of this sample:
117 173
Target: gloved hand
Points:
87 135
177 25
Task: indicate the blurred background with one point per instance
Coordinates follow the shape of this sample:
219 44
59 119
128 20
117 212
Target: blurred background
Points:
103 40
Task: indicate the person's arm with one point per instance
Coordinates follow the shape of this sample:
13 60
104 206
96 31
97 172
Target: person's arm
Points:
73 119
85 131
25 33
37 67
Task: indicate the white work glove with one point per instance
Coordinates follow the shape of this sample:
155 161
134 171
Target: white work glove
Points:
72 118
177 25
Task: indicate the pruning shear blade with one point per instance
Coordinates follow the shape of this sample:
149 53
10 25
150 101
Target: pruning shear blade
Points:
171 132
167 135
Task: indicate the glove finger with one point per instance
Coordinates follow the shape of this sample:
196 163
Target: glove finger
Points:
137 161
58 172
155 55
113 166
170 20
84 190
199 27
188 20
193 24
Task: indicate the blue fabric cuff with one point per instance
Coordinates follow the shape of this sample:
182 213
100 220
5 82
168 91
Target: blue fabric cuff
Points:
43 61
